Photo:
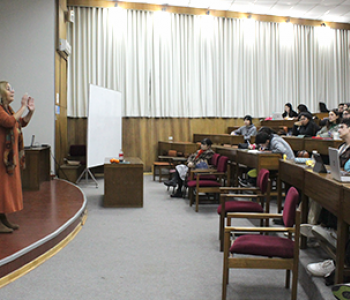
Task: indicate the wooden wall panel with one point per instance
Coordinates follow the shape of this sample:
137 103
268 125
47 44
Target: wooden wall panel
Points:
141 135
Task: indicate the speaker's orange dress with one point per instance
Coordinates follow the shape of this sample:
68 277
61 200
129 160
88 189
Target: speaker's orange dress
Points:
11 198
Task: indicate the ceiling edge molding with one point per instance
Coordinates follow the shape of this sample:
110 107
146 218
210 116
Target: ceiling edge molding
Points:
203 11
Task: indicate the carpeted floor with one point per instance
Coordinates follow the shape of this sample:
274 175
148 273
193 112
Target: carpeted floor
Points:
161 251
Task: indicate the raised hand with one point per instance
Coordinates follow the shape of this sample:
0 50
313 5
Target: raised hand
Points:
24 101
31 105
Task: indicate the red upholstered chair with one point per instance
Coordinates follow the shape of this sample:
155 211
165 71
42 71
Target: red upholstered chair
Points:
214 160
222 173
213 164
265 251
261 195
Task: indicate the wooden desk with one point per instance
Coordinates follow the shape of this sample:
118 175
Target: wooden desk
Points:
257 160
231 153
321 115
328 193
310 144
220 139
123 183
278 123
293 174
345 205
38 168
321 145
295 143
173 159
186 148
230 129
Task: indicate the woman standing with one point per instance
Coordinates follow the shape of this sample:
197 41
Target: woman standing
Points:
11 153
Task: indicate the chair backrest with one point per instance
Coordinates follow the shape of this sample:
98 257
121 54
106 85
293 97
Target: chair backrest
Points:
222 164
263 180
290 206
214 159
172 153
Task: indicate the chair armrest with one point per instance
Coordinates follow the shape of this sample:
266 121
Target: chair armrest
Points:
195 171
254 215
240 196
226 189
209 173
259 229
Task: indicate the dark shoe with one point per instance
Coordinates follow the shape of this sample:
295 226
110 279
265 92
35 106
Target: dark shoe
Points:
170 183
7 223
329 279
5 229
176 195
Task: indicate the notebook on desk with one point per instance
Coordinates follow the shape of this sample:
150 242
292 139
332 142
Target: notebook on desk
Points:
334 162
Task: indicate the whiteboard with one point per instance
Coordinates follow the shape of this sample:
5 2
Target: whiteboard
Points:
104 130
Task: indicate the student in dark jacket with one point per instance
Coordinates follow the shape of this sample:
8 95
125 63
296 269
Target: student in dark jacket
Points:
305 126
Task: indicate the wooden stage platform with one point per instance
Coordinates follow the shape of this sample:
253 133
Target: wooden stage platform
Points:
50 217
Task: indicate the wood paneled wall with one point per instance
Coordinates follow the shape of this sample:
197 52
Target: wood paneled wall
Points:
141 135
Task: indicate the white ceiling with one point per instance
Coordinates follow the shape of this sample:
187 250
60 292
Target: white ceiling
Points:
323 10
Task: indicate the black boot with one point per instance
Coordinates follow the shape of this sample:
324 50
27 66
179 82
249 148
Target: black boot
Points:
174 181
171 182
178 194
7 223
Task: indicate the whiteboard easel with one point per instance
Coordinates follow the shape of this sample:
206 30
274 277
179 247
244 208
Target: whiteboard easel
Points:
104 130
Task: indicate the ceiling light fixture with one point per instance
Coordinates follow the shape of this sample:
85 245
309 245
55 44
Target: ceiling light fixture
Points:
288 20
116 4
323 25
208 12
249 16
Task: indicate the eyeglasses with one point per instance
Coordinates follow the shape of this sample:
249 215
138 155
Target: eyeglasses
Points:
345 113
302 119
10 88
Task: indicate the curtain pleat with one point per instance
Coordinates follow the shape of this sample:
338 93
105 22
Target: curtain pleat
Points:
172 65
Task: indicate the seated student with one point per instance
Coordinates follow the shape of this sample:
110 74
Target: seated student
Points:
331 126
199 159
248 130
346 113
267 140
289 113
303 108
305 126
274 143
341 109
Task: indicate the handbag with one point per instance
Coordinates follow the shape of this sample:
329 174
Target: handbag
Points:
202 165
